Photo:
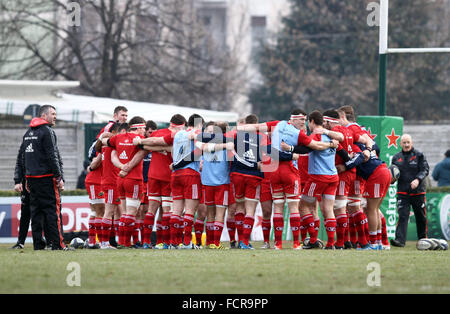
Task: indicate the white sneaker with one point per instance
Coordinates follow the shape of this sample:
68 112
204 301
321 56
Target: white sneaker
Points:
183 246
107 247
266 245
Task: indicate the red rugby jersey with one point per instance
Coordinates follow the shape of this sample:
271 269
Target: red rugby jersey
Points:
95 176
159 167
110 172
123 144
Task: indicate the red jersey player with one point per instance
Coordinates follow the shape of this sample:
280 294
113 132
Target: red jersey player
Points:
285 181
110 175
93 184
159 176
131 185
357 217
346 178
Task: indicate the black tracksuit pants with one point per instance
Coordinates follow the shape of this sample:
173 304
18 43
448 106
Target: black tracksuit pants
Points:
25 216
404 202
45 206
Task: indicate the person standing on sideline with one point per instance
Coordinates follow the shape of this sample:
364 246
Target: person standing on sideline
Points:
441 172
411 190
44 179
25 214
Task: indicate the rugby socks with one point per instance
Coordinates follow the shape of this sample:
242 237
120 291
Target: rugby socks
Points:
129 223
278 224
165 224
147 228
303 229
231 226
91 230
159 232
188 222
308 220
106 230
174 223
199 225
248 227
265 224
218 228
209 232
352 229
136 231
294 220
346 229
330 227
360 220
341 224
239 219
316 227
98 229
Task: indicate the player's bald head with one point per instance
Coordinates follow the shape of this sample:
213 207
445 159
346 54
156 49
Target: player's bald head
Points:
406 137
406 142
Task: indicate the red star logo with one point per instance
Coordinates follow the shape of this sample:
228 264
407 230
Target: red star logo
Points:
372 135
392 139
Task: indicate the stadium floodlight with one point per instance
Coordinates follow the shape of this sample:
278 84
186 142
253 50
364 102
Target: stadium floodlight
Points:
385 50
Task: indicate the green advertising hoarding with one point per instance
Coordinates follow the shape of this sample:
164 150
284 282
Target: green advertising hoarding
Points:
386 132
438 217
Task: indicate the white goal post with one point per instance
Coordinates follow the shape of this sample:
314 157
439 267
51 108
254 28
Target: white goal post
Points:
384 50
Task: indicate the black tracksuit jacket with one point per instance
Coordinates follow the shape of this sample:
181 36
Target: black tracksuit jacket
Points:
412 165
41 156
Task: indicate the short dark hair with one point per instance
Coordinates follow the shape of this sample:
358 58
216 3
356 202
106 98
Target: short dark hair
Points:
178 119
316 116
223 126
447 153
120 108
349 113
45 109
151 125
332 113
195 119
298 111
136 120
207 124
123 126
251 119
114 127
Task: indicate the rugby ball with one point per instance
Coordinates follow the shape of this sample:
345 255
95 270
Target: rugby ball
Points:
425 245
437 244
321 245
77 243
395 173
443 244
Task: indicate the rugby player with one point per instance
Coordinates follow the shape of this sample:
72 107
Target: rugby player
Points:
285 181
93 183
131 184
378 178
159 176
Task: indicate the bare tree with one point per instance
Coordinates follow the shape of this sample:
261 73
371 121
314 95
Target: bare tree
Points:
147 50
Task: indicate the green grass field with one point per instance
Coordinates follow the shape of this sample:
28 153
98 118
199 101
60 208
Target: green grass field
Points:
257 271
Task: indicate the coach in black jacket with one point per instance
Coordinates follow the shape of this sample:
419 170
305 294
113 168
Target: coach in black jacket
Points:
44 178
411 190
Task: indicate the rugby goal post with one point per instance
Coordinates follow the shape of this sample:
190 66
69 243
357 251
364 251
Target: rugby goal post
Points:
385 50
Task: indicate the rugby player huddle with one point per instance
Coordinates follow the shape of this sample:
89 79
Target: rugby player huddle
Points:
199 173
